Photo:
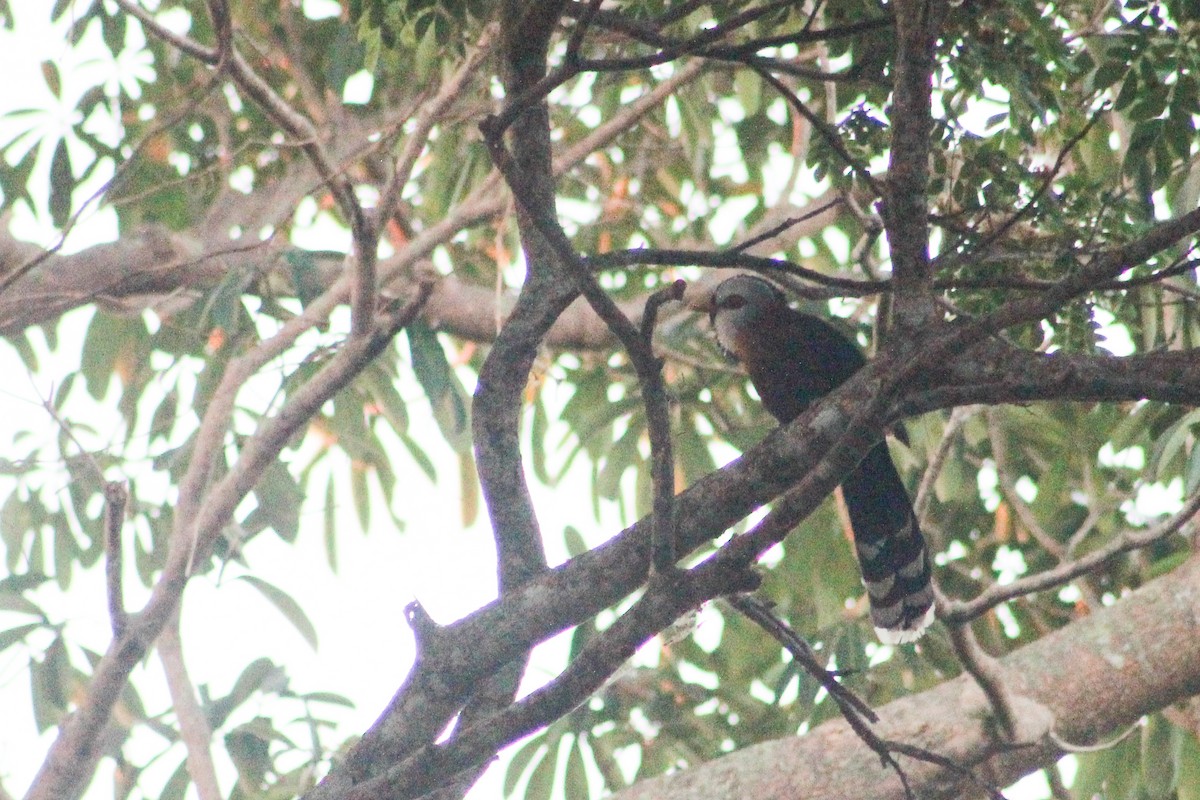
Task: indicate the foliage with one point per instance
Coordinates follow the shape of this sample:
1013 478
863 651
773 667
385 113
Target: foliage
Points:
1060 131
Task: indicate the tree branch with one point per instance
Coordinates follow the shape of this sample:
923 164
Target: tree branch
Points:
421 709
958 612
72 757
481 642
1098 675
116 497
905 207
669 595
193 725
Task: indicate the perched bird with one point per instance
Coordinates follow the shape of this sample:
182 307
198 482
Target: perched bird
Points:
794 359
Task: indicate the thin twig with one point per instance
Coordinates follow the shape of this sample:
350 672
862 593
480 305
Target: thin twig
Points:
765 617
959 611
582 25
929 757
787 223
986 672
732 259
1028 206
429 115
180 42
958 418
856 712
364 234
222 22
827 133
1008 487
698 44
194 729
658 421
116 497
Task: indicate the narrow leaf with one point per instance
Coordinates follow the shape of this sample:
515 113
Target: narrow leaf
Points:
62 183
286 606
447 398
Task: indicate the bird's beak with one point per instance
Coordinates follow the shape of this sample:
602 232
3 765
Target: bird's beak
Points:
700 301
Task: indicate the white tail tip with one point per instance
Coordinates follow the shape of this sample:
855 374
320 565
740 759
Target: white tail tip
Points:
906 635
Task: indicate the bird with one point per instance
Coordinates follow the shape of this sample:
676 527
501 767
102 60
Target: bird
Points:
794 359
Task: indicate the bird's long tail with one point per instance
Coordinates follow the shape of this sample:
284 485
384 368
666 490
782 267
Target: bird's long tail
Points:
891 550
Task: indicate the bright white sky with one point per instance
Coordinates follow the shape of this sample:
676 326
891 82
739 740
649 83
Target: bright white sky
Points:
365 647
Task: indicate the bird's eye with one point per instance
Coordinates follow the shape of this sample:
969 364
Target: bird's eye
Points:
734 301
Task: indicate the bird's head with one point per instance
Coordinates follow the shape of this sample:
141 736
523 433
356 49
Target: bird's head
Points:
738 305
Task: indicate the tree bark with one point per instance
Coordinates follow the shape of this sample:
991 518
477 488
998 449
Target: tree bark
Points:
1079 685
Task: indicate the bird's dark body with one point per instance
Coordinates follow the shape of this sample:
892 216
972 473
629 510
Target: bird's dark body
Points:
794 359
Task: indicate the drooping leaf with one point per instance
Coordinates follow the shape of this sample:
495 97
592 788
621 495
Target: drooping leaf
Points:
62 184
446 395
287 606
262 674
279 499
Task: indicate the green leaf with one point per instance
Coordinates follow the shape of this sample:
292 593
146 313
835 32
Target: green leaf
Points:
541 777
163 421
748 88
262 674
16 520
53 79
1158 768
176 786
328 697
419 457
65 551
46 679
574 541
1187 763
248 747
360 490
520 760
113 27
1192 475
539 427
13 635
306 275
279 499
468 489
575 782
379 384
329 517
62 184
287 606
108 350
223 309
446 395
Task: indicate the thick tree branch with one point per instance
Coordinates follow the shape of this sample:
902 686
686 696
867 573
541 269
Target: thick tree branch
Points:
419 711
658 423
905 207
637 343
478 644
669 595
137 271
1082 682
